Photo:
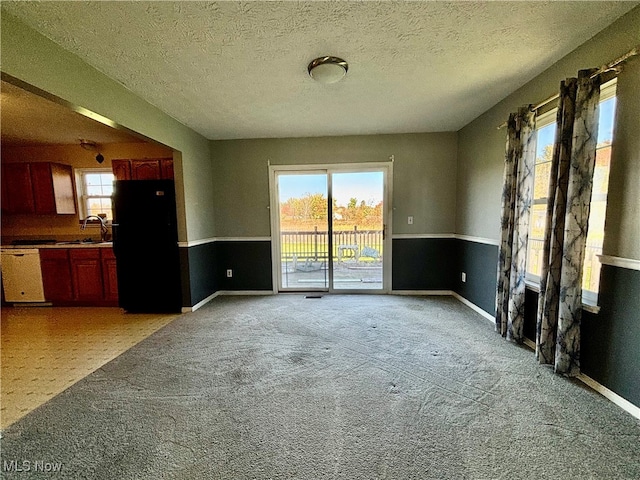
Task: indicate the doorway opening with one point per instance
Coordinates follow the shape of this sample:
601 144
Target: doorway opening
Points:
331 228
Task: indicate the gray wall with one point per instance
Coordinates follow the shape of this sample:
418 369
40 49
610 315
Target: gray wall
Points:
424 177
481 144
622 237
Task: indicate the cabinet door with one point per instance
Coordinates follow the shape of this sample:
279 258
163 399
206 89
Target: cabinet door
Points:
19 189
43 196
121 169
145 169
56 275
87 274
63 194
109 276
166 168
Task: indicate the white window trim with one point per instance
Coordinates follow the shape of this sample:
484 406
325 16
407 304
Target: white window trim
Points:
81 191
589 298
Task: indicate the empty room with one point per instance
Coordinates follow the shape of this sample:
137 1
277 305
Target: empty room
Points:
320 239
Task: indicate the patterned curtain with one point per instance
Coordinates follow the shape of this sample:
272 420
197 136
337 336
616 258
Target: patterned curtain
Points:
571 178
517 195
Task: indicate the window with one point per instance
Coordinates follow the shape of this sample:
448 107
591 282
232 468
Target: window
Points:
96 187
545 136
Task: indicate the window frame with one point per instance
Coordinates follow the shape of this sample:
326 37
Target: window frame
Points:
590 299
83 196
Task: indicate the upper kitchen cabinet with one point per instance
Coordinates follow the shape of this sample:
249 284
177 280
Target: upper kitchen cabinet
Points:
121 169
166 168
17 188
53 188
143 169
40 188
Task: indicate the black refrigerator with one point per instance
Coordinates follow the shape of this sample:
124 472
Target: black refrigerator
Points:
145 242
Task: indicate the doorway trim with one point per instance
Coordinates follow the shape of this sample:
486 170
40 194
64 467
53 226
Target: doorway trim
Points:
329 168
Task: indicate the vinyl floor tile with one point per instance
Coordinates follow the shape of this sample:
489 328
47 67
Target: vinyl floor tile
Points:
45 350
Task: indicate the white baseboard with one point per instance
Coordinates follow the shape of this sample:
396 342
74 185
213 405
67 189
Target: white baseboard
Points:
626 405
201 303
473 306
225 292
610 395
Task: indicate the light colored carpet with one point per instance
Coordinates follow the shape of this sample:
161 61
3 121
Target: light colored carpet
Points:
342 387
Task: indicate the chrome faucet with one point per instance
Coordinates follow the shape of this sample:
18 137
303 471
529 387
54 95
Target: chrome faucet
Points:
103 226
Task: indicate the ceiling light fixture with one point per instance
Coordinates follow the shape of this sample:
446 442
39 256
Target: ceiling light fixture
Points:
88 145
93 147
328 69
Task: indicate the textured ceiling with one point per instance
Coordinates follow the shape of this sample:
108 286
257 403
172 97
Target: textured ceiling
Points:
238 69
27 119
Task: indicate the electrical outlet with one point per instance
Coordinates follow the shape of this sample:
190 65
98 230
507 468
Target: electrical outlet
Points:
229 273
464 277
410 220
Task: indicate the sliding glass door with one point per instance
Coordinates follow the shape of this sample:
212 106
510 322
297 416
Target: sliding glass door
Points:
330 229
358 230
303 219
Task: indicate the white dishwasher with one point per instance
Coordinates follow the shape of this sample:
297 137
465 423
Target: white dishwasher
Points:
21 275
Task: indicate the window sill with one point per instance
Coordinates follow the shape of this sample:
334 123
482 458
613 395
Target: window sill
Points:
533 286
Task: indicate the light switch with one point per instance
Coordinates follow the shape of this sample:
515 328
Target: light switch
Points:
410 219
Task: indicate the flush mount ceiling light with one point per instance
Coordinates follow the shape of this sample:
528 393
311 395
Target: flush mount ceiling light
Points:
328 69
88 145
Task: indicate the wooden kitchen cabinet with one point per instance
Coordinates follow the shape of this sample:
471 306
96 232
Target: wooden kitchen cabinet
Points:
166 168
17 188
86 271
53 188
109 276
79 276
38 187
143 169
121 169
56 276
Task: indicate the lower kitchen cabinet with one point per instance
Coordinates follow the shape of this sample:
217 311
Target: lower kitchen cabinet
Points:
79 276
56 276
86 270
109 276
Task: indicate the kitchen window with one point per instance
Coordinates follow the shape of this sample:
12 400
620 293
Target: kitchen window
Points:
96 188
545 137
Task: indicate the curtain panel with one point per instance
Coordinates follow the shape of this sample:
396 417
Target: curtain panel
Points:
517 195
560 302
549 298
569 199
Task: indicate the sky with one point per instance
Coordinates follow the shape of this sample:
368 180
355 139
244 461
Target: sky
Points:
546 134
367 186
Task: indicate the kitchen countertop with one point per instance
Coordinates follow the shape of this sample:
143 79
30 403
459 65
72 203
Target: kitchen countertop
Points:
60 245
